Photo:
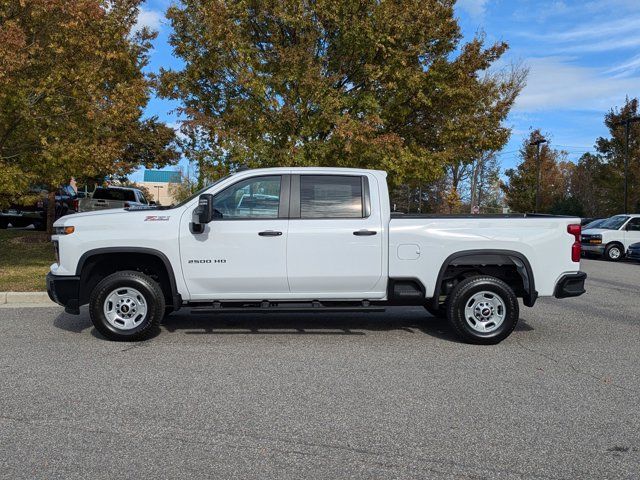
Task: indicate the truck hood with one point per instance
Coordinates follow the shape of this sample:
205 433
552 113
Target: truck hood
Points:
596 231
89 216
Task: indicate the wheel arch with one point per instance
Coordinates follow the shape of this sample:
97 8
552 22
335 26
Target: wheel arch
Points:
91 258
490 257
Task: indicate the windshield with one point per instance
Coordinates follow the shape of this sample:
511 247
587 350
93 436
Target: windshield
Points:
594 224
199 192
614 223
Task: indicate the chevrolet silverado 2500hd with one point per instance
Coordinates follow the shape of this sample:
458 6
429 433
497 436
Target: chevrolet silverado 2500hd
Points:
308 239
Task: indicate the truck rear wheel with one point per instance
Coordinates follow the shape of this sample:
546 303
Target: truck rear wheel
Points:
127 306
483 310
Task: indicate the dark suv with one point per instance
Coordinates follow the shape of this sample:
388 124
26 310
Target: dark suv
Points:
23 215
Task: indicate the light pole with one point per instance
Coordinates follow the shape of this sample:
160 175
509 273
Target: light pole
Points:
627 127
157 187
539 141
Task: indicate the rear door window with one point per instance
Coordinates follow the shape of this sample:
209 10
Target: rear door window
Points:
331 196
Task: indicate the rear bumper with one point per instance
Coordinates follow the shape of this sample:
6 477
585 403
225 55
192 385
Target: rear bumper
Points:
570 285
64 291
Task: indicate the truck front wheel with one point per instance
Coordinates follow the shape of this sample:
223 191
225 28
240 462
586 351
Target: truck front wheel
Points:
483 310
614 252
127 305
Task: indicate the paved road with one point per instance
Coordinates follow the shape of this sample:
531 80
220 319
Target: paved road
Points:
389 395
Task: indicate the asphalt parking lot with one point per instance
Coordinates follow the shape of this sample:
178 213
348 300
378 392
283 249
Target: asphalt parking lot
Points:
389 395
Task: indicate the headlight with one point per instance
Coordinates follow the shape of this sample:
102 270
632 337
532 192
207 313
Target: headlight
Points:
63 230
595 239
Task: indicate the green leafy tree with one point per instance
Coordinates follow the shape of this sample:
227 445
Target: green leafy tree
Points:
376 84
72 93
597 182
520 188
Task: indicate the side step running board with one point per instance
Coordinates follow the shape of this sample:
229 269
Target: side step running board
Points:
294 307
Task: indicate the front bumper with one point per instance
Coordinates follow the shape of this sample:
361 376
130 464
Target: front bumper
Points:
65 291
599 249
570 285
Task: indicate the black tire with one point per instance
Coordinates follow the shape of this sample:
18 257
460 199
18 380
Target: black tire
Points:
153 299
614 252
461 296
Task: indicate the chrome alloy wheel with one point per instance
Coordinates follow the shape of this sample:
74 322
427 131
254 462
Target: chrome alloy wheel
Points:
615 253
125 308
485 311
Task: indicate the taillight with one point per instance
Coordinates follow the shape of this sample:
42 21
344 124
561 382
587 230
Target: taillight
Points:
76 204
575 230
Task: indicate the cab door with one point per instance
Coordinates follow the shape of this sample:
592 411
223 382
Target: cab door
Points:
334 248
241 254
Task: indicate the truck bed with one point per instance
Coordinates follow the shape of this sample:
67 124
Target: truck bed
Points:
420 244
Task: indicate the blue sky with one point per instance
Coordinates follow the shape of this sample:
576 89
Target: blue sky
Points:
583 56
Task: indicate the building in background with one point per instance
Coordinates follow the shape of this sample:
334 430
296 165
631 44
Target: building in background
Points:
158 183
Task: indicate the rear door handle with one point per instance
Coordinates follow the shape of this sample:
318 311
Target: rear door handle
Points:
364 233
270 233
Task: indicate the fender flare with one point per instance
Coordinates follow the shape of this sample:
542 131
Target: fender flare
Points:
502 256
177 298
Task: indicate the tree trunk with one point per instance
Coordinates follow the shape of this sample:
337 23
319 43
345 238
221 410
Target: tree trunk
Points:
51 210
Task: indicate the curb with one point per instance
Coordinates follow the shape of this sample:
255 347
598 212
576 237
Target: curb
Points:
36 299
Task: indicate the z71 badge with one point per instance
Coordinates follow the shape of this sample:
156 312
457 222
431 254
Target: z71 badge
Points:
156 218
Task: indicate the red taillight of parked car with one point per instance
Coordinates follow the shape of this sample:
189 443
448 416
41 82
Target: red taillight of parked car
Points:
76 204
575 230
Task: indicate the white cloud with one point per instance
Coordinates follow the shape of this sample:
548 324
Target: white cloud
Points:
475 8
619 34
556 83
627 68
148 18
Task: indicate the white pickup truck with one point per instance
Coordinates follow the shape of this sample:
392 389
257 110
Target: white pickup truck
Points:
308 239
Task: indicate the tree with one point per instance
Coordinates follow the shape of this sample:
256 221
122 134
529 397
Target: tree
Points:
520 188
184 189
597 182
72 93
376 84
611 156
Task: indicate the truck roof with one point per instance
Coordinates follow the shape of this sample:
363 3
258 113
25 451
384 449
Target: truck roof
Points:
320 170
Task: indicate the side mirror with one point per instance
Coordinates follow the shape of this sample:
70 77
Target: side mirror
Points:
205 208
203 213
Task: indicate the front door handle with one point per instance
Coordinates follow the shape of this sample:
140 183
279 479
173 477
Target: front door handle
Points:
270 233
364 233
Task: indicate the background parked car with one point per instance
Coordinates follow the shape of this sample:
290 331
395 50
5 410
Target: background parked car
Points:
35 213
612 237
112 197
633 251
